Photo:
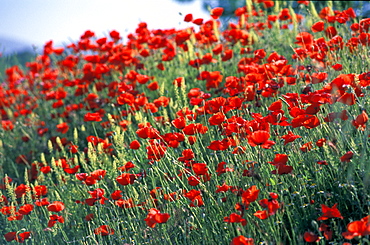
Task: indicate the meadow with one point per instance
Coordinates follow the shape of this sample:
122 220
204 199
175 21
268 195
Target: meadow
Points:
248 132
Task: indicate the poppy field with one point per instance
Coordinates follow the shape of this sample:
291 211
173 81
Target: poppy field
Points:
248 132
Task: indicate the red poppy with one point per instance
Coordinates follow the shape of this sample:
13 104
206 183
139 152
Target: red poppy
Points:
19 237
198 21
95 117
250 195
358 228
318 26
361 120
26 209
56 206
221 169
188 18
125 203
217 119
260 137
328 213
200 168
42 202
135 144
179 122
311 237
127 166
104 230
89 217
285 14
325 229
7 125
290 137
193 180
126 179
217 12
347 157
54 219
242 240
320 142
156 217
305 40
235 218
337 67
219 145
195 197
306 147
261 214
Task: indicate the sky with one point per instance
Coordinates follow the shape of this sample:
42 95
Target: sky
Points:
34 22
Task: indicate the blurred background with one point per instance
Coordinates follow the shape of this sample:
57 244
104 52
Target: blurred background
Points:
26 25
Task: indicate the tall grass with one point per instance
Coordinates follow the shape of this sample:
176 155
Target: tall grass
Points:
216 162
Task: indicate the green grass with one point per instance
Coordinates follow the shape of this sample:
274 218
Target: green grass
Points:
129 110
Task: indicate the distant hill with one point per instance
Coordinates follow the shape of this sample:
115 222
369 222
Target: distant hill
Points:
9 46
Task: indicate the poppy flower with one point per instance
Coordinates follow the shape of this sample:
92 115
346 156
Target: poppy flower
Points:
195 197
89 217
124 203
156 217
285 14
320 142
357 228
216 12
318 26
290 137
361 120
56 206
219 145
126 179
309 236
188 18
19 237
135 144
193 180
261 214
53 219
305 40
235 218
104 230
198 21
217 119
260 137
337 67
306 147
242 240
200 168
250 195
7 125
347 157
95 117
221 169
42 202
328 213
26 209
325 229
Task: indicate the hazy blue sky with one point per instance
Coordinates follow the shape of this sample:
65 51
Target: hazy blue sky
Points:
38 21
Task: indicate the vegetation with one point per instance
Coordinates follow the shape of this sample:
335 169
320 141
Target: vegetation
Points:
251 133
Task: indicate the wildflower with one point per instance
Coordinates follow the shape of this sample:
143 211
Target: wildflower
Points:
104 230
242 240
156 217
328 213
53 219
358 228
56 206
311 237
19 237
